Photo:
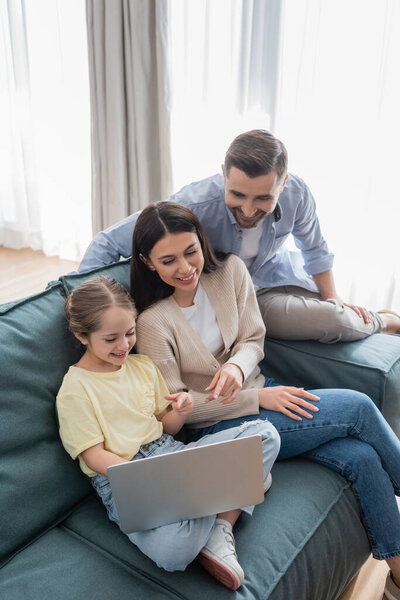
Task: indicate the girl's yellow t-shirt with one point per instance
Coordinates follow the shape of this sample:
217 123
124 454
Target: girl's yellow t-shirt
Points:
117 408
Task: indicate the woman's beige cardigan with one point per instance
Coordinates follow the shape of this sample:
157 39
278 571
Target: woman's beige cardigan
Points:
164 334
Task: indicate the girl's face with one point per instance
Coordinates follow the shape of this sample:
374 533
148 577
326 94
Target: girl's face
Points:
108 347
179 261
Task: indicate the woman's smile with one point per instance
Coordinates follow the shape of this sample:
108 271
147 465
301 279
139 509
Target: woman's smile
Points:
178 259
188 278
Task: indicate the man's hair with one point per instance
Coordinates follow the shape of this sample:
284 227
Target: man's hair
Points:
257 152
86 304
154 223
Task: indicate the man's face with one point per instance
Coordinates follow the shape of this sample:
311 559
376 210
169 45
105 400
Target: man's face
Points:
251 198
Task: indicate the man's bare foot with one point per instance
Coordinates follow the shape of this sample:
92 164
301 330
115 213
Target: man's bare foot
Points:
391 320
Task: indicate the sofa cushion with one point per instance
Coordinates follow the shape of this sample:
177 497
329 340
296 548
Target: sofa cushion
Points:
304 516
371 366
119 271
62 566
38 482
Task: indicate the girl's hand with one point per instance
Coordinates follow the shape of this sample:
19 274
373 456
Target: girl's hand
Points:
227 382
182 403
287 400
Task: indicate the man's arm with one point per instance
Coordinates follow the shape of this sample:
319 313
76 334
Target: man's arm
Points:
115 242
110 245
318 261
308 236
326 285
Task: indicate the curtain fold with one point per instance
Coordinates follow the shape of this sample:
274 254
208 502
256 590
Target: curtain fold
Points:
129 85
224 78
338 114
44 124
259 56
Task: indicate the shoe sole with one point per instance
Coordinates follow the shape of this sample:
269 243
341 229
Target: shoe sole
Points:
392 591
267 483
219 572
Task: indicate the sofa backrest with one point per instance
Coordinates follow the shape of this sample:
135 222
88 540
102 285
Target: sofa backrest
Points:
39 483
119 271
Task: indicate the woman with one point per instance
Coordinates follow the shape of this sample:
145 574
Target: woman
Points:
199 321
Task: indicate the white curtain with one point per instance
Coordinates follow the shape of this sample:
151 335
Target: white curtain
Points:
223 71
338 112
45 127
323 75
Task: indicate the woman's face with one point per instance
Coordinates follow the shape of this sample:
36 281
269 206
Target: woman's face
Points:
179 261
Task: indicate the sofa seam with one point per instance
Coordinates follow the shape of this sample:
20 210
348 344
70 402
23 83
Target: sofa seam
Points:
306 539
77 274
332 359
14 304
122 563
43 532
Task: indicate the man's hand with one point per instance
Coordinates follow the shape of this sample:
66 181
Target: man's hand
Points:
360 311
288 400
326 286
227 381
182 403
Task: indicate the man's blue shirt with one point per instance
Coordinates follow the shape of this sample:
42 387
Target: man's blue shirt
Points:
274 265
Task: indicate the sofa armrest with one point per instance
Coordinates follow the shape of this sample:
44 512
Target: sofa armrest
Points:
371 366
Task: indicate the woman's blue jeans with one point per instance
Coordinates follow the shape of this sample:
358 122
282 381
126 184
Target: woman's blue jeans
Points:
350 436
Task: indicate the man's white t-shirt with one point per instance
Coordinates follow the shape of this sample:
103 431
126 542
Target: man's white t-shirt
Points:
251 243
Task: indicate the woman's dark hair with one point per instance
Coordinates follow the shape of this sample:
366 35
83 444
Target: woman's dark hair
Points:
153 223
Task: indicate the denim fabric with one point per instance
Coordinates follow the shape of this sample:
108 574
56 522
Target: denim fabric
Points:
274 264
350 436
174 546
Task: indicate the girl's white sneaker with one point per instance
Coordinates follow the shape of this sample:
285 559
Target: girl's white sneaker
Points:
392 591
267 483
219 558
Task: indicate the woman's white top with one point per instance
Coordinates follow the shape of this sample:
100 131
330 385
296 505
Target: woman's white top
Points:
201 317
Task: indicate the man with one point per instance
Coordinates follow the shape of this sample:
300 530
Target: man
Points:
250 210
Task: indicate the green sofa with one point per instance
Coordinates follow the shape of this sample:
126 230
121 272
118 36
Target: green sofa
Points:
305 542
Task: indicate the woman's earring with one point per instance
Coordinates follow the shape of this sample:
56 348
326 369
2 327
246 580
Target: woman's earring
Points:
147 262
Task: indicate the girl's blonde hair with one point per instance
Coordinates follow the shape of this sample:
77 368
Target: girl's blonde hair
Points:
87 302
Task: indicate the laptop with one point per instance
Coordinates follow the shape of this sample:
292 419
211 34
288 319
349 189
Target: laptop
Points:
187 484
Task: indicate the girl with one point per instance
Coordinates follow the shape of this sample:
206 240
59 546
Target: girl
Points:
114 407
200 323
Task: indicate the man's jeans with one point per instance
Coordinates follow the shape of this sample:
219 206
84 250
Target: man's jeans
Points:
350 436
174 546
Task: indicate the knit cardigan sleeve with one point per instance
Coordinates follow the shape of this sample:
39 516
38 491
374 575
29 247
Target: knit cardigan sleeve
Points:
248 348
155 337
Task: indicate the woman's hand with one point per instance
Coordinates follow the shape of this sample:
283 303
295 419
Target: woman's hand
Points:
227 381
182 403
287 400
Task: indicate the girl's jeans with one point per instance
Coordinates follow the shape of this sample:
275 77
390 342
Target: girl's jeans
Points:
350 436
174 546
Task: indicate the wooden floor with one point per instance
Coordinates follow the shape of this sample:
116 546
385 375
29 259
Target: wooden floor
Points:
25 272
